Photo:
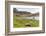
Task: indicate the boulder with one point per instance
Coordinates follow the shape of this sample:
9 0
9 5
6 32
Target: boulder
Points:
28 24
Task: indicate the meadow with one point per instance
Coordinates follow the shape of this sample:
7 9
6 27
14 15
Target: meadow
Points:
22 23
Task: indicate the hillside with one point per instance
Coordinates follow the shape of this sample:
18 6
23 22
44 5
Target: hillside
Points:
24 13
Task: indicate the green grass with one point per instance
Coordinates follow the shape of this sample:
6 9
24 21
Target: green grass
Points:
21 23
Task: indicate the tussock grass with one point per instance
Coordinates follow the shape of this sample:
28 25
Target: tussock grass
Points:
22 23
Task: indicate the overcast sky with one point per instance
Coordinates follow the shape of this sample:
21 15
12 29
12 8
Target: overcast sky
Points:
32 10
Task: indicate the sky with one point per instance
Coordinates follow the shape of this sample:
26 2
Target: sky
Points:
32 10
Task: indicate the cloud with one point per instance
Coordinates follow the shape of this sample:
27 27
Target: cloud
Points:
32 10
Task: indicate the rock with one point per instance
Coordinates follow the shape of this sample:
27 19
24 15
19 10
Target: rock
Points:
28 25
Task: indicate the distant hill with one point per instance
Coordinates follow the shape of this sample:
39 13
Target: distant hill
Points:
35 14
20 13
24 13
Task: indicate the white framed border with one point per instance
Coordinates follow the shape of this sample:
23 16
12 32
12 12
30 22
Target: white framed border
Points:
25 29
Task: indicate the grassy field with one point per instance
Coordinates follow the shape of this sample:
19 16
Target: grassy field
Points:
23 22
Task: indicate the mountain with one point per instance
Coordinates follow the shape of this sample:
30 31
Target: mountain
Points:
26 14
